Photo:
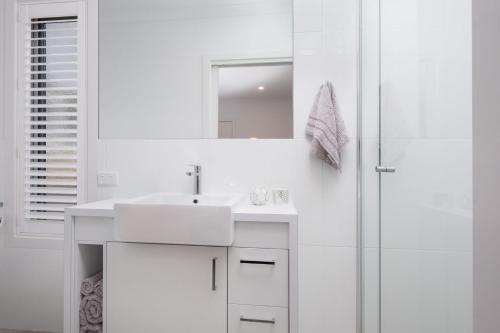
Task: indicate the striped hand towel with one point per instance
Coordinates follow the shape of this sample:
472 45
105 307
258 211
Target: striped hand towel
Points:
325 127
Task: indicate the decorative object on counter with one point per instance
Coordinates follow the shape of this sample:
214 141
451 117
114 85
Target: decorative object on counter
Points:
280 196
91 304
259 197
326 128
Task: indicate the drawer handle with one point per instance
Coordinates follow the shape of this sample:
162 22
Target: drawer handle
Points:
258 262
261 321
214 270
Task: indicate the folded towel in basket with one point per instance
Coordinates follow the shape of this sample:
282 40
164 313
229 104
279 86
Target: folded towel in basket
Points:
83 318
98 288
91 329
92 309
88 284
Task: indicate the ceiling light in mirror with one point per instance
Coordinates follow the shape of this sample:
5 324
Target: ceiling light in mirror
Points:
246 112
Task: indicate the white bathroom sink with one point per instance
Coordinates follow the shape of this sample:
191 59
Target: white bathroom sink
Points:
171 218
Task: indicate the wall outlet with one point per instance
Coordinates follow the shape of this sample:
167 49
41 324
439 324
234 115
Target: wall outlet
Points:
107 179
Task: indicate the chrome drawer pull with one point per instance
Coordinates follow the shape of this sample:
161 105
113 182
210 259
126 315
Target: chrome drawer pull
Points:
258 262
214 270
261 321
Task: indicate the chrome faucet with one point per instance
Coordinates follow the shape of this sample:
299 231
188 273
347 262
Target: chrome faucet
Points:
196 173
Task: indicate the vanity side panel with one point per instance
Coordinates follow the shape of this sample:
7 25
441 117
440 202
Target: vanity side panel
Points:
68 272
293 278
93 229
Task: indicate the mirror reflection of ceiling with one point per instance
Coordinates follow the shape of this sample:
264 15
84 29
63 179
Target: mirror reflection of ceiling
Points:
187 9
264 81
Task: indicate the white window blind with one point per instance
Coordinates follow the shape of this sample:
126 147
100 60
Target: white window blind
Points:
50 156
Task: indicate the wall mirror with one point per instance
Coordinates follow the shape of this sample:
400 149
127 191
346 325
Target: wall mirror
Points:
195 69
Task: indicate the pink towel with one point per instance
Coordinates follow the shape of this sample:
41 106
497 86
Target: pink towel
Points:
88 284
92 309
91 329
91 305
98 288
83 318
326 128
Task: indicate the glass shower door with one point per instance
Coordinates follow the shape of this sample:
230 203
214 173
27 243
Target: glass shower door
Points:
424 231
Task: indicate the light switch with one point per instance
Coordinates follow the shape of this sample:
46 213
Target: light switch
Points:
107 179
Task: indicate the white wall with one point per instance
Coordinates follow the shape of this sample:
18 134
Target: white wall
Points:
486 27
31 288
325 49
31 279
258 117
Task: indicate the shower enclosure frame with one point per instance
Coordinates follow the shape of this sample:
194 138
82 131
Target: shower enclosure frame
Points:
368 10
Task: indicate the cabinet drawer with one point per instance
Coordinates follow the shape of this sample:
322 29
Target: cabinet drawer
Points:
258 276
266 235
257 319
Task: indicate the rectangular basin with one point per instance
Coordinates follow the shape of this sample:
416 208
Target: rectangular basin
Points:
168 218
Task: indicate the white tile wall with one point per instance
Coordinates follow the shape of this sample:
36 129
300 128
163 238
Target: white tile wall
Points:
327 289
308 15
325 49
31 288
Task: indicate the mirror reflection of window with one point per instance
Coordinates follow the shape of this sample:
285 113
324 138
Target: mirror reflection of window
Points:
255 101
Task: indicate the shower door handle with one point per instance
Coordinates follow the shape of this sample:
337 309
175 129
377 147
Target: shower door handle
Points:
381 169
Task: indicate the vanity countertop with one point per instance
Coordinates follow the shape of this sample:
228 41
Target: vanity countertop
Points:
243 211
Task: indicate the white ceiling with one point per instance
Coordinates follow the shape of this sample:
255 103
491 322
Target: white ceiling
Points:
243 81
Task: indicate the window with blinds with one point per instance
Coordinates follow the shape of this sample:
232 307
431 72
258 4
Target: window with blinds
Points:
51 105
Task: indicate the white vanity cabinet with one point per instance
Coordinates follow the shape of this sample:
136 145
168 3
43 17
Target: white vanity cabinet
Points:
247 287
258 280
166 288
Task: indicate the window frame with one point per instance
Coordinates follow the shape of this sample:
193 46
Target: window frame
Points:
26 10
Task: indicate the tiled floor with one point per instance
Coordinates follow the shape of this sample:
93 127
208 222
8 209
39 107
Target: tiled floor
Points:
14 331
